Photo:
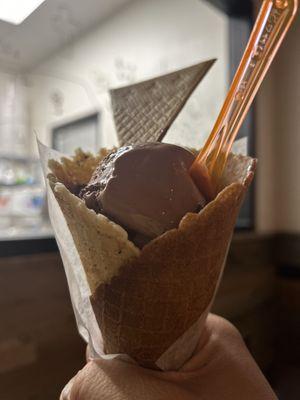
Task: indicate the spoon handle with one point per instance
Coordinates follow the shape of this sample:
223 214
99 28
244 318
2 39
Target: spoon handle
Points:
271 26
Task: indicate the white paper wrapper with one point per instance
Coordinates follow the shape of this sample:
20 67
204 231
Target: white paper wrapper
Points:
177 354
78 286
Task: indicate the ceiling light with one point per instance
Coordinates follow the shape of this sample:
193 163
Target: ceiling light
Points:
16 11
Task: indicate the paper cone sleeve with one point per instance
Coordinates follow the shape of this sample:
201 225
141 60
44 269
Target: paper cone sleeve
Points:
145 300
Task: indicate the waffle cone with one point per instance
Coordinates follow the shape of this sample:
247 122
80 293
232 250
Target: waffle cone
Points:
143 112
76 172
145 300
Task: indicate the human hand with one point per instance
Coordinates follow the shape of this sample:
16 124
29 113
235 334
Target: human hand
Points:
220 369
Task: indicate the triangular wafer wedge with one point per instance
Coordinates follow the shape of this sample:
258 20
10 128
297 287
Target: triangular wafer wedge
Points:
144 112
145 300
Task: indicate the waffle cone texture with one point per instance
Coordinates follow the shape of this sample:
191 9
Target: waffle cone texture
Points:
145 300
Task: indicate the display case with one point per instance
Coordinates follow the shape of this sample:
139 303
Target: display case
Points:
22 199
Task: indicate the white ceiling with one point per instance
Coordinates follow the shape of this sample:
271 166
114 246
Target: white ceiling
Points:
54 24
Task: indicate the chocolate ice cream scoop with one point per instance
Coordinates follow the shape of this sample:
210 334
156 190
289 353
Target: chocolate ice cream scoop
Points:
146 189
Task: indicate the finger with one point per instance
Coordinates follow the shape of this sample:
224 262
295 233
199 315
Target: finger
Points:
215 330
66 393
223 329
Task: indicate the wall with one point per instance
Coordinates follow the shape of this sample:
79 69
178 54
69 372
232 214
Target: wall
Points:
278 141
144 39
14 115
286 110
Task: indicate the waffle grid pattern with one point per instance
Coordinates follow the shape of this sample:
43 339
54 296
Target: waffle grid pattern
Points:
143 112
162 293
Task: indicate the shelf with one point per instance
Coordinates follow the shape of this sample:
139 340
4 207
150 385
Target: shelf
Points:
18 185
15 234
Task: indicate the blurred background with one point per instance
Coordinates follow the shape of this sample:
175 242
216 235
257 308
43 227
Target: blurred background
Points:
58 60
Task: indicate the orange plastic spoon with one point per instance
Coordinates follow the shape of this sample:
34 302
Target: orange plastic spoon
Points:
271 26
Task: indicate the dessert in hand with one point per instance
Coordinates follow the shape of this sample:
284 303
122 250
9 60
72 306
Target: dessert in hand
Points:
148 298
151 302
146 189
145 300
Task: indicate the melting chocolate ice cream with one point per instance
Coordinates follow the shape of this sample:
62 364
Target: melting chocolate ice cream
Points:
146 189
